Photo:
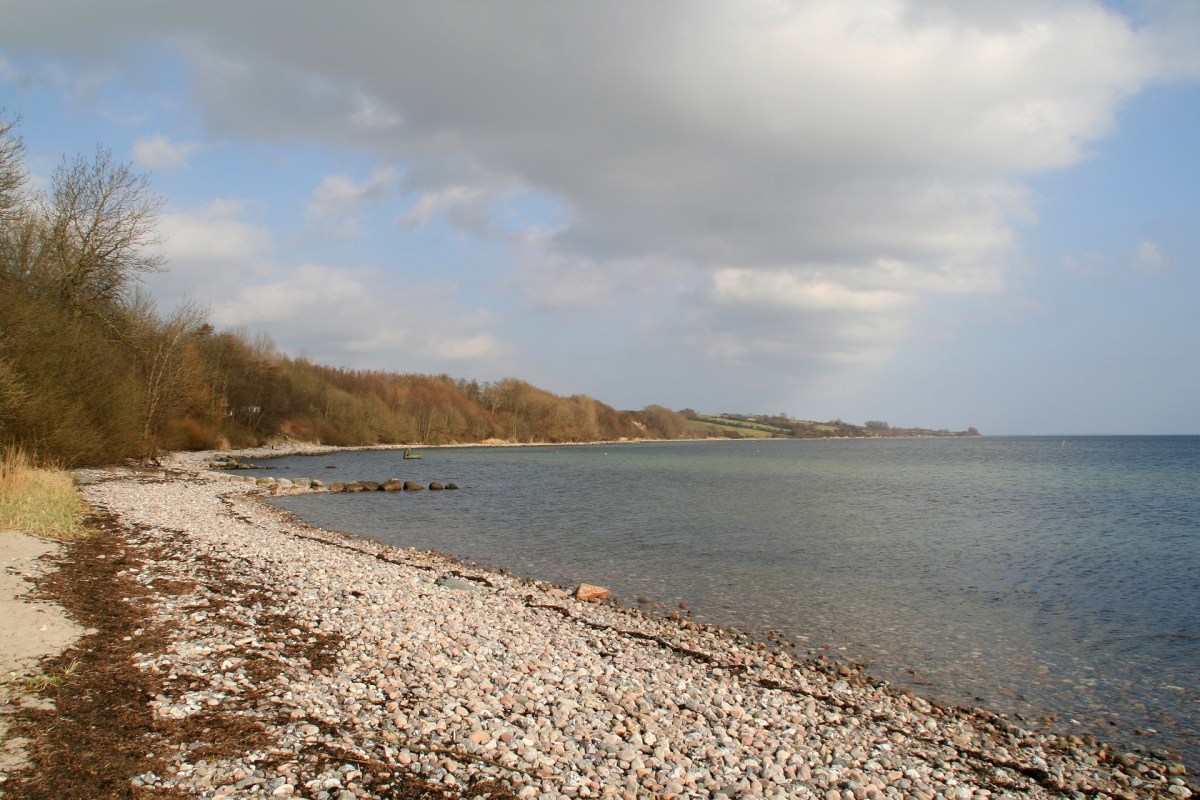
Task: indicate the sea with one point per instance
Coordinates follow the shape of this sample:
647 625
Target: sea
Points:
1053 578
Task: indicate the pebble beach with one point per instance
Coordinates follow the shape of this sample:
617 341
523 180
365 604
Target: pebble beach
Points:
355 662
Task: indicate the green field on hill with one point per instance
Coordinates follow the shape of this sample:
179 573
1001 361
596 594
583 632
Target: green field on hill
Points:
749 430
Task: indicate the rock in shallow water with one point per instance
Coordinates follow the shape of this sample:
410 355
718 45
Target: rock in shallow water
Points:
586 591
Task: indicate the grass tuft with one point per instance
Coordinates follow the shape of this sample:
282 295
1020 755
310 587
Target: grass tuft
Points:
43 681
38 501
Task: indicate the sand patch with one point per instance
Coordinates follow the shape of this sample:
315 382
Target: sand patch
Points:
29 631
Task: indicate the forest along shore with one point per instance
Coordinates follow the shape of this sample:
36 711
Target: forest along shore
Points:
353 669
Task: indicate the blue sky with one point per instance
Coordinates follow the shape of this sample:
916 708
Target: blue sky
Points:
938 214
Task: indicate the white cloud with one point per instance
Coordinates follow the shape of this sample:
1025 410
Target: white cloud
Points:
799 316
339 195
549 277
307 293
334 210
464 203
355 317
476 348
159 152
351 316
799 292
210 252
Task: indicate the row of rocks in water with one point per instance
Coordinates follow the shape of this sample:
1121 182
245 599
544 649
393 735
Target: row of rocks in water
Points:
362 662
344 487
390 485
229 462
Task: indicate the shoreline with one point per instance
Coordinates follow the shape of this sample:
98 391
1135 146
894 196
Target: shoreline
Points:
195 459
354 658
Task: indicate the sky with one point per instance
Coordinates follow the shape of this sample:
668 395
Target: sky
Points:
935 213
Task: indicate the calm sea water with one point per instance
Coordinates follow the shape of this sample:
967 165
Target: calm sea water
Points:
1029 575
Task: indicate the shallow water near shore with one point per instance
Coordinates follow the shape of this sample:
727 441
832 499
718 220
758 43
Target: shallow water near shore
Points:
1027 575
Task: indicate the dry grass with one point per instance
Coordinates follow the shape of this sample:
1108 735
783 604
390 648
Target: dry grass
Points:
41 502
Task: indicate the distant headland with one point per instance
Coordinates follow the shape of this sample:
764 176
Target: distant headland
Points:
781 426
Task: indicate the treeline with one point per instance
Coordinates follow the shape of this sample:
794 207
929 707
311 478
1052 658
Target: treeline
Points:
91 373
259 394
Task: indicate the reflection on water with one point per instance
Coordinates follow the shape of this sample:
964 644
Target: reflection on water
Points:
1019 573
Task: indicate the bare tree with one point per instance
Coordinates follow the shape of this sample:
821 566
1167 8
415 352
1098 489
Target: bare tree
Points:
168 372
19 233
101 217
12 173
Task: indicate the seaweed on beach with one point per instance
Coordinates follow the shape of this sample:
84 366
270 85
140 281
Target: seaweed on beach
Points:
99 732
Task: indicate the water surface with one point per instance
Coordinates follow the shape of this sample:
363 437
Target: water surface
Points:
1030 575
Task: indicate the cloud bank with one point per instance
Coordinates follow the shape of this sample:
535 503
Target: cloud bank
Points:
801 176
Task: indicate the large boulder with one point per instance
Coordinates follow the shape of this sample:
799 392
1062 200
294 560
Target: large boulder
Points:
369 486
412 486
393 485
435 486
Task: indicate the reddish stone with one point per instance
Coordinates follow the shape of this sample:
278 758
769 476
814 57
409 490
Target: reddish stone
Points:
585 591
